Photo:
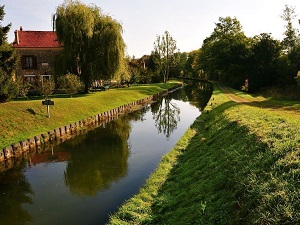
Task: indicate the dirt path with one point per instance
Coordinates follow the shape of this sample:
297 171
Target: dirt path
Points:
291 109
232 96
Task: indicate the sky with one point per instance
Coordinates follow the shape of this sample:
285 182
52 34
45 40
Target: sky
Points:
189 22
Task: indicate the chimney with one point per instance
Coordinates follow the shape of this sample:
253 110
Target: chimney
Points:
21 28
16 37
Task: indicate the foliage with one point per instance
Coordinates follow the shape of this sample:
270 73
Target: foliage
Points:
291 34
224 53
164 49
70 83
93 43
22 86
8 89
229 56
264 53
46 85
8 62
143 70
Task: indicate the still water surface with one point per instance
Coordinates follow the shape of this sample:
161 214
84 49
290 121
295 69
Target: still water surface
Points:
85 179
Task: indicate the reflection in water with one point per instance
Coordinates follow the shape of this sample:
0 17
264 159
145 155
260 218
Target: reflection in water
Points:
198 93
97 158
166 115
105 165
14 191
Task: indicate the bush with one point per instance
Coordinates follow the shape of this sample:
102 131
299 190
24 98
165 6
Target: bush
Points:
70 83
8 88
23 87
46 85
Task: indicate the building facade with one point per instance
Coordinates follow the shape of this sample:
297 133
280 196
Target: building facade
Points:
38 51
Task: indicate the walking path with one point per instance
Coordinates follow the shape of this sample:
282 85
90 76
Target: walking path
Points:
287 107
232 96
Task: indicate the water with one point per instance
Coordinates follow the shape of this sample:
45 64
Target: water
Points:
85 179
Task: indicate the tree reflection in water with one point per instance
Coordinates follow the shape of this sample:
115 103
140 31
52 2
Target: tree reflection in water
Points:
198 93
167 115
14 191
99 157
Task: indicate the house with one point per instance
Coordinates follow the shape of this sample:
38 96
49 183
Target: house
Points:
38 51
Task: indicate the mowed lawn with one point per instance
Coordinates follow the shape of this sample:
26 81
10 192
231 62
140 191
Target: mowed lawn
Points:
239 163
22 119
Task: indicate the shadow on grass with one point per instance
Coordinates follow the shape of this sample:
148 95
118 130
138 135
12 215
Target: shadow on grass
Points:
276 105
211 181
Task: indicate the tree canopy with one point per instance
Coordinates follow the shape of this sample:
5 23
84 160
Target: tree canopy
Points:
223 53
164 49
291 34
8 62
93 43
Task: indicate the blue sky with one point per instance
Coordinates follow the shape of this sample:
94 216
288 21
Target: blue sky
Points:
188 21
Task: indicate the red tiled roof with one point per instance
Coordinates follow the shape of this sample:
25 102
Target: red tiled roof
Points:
36 39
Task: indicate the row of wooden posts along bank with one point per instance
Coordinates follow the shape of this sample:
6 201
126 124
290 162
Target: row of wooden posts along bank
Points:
62 133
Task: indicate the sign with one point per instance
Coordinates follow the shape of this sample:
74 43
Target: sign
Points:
48 102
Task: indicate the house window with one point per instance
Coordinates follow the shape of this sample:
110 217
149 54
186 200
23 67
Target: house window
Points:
29 62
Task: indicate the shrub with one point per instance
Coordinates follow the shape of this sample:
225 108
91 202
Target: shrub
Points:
8 88
23 87
46 85
70 83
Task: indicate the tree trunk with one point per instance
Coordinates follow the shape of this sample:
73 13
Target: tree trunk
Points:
86 88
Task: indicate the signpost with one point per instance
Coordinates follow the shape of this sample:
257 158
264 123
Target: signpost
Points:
48 102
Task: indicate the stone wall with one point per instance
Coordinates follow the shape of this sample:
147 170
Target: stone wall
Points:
43 55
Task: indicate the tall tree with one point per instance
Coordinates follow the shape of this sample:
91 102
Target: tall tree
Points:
291 34
224 52
8 63
165 47
291 45
93 43
265 52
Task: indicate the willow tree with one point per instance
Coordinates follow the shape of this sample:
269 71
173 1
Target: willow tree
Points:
93 43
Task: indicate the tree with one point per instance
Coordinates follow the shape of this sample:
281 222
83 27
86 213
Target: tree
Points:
297 78
291 45
165 47
70 83
265 52
46 85
224 53
93 43
8 63
291 34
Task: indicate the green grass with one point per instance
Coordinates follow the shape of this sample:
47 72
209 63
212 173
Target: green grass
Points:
237 164
22 118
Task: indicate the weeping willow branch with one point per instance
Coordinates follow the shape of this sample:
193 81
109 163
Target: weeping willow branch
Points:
93 43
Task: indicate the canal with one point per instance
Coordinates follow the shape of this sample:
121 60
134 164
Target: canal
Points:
86 178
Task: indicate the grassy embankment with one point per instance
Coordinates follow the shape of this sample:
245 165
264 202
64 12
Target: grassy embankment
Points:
22 119
237 164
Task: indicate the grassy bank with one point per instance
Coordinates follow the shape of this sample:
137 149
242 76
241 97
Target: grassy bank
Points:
22 118
239 163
